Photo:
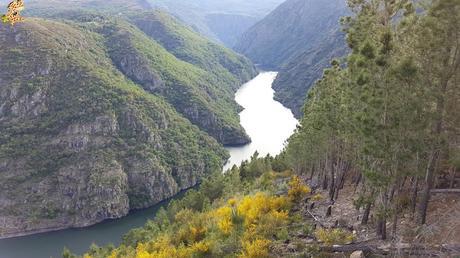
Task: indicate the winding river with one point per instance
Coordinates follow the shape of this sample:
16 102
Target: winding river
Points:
266 121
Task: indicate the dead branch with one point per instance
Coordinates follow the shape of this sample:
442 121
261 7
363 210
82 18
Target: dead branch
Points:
316 219
451 191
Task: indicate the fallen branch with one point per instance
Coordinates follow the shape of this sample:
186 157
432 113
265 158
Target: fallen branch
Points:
453 191
316 219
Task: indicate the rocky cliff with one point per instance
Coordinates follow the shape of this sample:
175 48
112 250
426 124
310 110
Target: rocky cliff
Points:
81 141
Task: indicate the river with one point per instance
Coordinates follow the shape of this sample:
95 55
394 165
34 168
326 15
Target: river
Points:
266 121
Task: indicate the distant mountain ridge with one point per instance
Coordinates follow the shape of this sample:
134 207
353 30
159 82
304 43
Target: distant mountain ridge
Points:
50 6
223 20
299 38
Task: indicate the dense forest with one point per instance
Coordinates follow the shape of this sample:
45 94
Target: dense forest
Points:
390 118
383 121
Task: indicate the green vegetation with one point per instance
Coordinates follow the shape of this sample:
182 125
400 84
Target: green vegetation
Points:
47 8
230 215
73 124
389 120
200 96
199 78
226 67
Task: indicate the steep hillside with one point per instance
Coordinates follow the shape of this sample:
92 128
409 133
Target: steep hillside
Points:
224 20
299 38
293 28
80 142
205 98
188 46
298 75
229 27
195 75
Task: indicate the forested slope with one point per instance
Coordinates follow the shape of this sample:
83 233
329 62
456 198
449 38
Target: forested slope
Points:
80 142
205 71
389 120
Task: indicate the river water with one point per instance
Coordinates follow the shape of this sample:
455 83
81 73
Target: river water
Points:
266 121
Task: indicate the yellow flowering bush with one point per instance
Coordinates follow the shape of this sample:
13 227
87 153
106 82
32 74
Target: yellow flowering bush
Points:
242 226
224 219
317 197
247 223
163 249
253 207
200 247
232 202
297 189
256 249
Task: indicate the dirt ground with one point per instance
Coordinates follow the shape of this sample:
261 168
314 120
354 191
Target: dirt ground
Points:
443 222
442 227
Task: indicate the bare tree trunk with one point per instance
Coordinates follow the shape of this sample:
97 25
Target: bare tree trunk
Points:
332 184
392 193
395 225
312 172
357 182
429 179
325 183
325 178
367 212
382 218
341 179
414 195
382 228
452 177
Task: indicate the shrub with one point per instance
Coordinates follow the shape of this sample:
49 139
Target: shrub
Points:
334 236
297 189
255 249
317 197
